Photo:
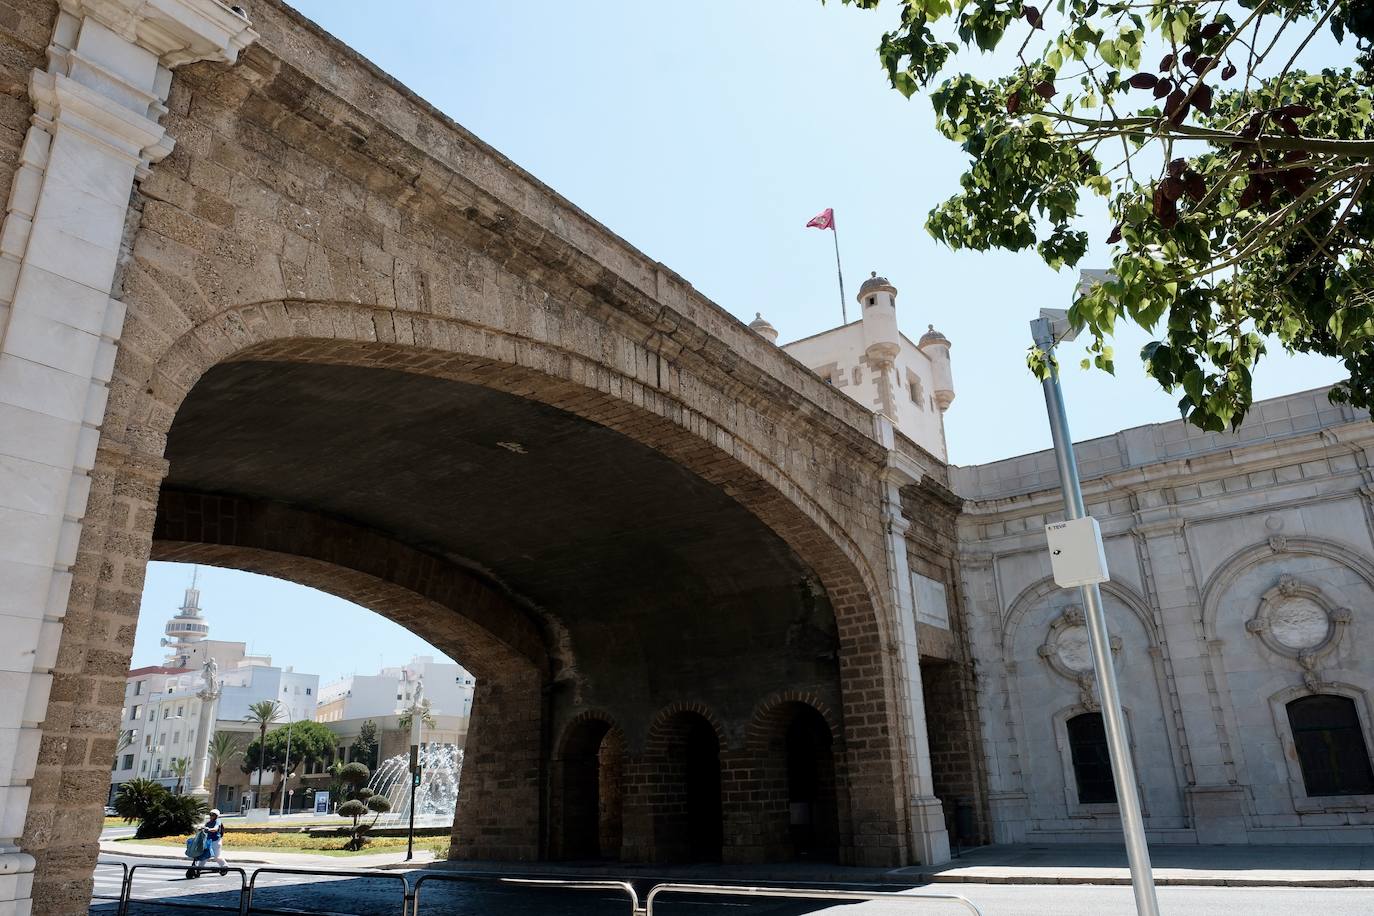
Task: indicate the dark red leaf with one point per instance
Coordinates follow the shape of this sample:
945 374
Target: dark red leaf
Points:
1297 155
1013 103
1212 30
1252 127
1266 189
1188 58
1294 111
1086 163
1248 196
1296 181
1201 64
1171 188
1144 81
1165 210
1289 126
1167 63
1202 98
1194 186
1176 106
1176 167
1115 235
1032 15
1228 71
1164 87
1045 89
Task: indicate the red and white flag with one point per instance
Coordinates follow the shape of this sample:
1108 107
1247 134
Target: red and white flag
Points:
823 220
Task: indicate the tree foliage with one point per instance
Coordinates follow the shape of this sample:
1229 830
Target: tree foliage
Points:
1238 182
365 745
309 742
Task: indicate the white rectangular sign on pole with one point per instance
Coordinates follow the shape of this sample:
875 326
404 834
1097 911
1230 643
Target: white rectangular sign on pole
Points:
321 802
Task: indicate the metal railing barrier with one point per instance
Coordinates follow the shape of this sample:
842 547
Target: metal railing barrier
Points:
327 873
129 888
623 887
123 881
410 898
796 893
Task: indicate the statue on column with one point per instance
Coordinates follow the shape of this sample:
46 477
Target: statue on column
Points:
209 694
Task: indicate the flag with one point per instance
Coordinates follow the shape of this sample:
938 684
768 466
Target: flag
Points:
823 220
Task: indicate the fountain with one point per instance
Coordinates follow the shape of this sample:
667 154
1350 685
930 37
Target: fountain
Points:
437 795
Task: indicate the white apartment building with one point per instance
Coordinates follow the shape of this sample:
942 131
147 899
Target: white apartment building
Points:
162 709
390 692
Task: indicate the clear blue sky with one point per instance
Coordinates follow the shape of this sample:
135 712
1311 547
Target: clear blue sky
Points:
706 134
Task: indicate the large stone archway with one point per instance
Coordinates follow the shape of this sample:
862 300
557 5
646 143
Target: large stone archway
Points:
318 236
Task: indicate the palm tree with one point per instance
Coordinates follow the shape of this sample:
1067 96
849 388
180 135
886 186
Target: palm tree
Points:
224 747
262 714
179 768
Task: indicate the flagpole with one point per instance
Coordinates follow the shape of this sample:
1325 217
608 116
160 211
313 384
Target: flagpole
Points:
844 311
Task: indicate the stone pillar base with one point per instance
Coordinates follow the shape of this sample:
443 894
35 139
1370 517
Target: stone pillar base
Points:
929 839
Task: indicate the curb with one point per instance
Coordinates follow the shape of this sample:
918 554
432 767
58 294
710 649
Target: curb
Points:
1125 881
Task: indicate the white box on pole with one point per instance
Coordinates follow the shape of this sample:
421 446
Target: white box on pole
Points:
1076 553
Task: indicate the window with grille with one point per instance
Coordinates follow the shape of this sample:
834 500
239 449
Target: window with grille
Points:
1331 746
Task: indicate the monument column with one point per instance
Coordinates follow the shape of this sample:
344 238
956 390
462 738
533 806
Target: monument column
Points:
94 131
209 701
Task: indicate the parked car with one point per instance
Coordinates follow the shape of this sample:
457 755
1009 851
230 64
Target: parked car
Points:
110 811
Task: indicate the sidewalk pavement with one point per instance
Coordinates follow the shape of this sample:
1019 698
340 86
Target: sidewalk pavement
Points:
1205 866
1214 866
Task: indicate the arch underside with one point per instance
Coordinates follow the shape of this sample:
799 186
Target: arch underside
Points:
569 566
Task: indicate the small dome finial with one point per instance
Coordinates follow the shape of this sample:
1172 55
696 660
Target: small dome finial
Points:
765 330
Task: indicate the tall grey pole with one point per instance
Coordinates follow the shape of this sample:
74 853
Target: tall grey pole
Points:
1123 772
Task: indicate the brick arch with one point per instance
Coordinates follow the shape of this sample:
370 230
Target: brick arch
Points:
762 831
765 715
658 806
649 404
587 781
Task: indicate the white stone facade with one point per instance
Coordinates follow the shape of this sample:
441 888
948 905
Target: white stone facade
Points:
1242 579
447 686
877 365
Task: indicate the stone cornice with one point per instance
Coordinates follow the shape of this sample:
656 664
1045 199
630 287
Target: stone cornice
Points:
177 31
1242 459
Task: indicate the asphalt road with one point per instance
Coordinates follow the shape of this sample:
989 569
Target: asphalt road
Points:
380 896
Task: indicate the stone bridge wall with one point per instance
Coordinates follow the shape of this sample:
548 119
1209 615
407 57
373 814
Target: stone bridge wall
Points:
313 210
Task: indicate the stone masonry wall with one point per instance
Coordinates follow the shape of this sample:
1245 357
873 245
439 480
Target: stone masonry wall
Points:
312 210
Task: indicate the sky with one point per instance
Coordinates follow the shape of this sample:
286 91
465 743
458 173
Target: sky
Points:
706 134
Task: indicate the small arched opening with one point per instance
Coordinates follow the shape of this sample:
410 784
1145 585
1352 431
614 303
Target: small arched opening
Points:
592 779
797 794
683 765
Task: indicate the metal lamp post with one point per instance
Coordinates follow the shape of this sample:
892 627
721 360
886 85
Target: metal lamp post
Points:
286 766
1051 328
416 723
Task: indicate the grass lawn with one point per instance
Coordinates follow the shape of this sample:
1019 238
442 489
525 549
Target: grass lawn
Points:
119 822
293 841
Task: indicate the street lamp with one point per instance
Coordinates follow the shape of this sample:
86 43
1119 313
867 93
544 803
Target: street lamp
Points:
286 766
1077 558
416 723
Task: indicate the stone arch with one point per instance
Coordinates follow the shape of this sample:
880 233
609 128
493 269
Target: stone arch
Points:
1240 561
588 780
145 397
798 805
1037 592
441 602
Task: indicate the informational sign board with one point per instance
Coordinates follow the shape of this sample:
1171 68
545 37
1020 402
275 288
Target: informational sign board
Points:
321 802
